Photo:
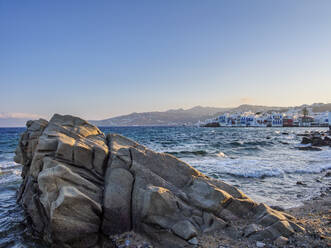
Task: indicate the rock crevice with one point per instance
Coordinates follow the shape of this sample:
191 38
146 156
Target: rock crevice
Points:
79 185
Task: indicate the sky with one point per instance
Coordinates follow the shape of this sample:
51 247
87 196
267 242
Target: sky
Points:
98 59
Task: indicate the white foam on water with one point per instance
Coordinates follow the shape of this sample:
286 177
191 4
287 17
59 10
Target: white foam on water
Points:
8 164
221 154
238 167
9 171
257 167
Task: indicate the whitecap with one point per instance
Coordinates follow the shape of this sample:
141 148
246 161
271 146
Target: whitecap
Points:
221 154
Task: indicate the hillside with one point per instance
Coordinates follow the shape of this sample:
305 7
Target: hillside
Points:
193 115
166 118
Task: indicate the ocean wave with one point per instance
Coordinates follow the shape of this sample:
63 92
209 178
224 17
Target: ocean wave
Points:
236 143
8 164
311 170
221 154
257 173
258 143
197 153
261 167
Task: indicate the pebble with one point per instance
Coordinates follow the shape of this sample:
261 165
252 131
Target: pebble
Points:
278 208
300 183
260 244
250 229
193 241
281 241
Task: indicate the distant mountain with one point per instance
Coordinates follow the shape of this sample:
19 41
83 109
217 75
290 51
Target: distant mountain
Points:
12 122
166 118
191 116
320 107
172 117
257 108
16 119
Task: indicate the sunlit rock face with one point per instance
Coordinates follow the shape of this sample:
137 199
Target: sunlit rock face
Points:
79 185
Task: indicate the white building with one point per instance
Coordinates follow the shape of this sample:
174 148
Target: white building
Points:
292 117
277 120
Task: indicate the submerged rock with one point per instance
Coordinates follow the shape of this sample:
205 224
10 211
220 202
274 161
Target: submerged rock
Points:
316 139
309 148
80 186
212 124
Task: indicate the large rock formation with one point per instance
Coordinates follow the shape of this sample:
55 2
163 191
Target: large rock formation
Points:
79 186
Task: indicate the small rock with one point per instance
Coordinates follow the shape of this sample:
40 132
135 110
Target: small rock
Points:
233 232
278 208
301 183
327 139
146 245
306 140
281 241
184 229
316 135
260 244
193 241
303 134
318 141
328 174
250 229
309 148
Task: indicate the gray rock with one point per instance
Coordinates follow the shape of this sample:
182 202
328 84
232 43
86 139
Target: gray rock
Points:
251 229
309 148
281 241
117 201
184 229
193 241
260 244
207 196
79 185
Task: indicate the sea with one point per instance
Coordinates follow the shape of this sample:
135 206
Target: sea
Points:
265 163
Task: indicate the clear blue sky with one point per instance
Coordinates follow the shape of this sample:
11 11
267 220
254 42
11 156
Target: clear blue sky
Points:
98 59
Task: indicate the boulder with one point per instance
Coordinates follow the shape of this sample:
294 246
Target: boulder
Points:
327 140
251 229
212 124
306 140
316 140
80 186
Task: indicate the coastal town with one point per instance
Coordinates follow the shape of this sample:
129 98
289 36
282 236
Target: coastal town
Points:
291 118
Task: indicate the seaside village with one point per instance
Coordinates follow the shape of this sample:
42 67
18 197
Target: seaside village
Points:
291 118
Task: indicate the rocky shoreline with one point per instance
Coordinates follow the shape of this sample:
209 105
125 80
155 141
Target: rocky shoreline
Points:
314 215
315 140
84 189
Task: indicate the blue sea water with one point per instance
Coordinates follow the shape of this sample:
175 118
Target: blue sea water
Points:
263 162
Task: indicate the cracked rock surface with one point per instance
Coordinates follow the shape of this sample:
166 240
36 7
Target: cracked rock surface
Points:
80 186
